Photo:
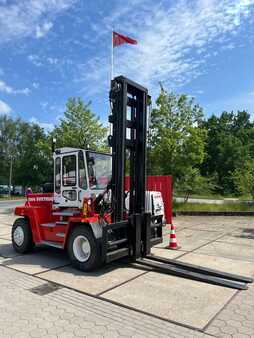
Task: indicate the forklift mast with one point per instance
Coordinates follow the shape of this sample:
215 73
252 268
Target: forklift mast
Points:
129 119
129 111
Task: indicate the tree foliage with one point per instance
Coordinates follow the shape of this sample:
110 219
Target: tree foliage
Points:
177 139
230 142
21 142
80 128
243 178
193 183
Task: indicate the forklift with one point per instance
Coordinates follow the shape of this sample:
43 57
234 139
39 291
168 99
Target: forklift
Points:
90 212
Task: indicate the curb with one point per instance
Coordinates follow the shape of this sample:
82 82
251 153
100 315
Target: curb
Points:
213 213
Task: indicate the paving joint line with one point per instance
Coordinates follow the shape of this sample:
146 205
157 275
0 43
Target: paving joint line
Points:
223 308
193 328
121 284
201 246
51 269
225 242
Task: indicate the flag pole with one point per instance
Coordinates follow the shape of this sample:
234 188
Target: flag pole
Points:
112 55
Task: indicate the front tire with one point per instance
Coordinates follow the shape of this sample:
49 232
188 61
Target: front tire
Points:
21 235
83 249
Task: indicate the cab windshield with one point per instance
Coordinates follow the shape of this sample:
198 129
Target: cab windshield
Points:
99 170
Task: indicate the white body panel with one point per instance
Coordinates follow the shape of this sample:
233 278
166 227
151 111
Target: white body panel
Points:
70 192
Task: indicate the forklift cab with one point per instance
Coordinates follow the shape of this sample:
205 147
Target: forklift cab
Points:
79 173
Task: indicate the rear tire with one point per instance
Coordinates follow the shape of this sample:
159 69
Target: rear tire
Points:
83 249
21 235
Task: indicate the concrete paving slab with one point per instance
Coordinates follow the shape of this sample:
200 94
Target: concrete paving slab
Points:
2 259
240 239
5 230
214 223
164 243
93 282
7 219
190 239
6 237
166 253
228 250
39 261
174 298
6 249
220 263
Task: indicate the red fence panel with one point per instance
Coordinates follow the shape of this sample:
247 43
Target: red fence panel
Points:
164 184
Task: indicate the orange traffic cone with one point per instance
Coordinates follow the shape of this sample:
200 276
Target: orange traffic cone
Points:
173 241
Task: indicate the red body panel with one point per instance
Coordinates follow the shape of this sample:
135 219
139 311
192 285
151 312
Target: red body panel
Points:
164 184
38 209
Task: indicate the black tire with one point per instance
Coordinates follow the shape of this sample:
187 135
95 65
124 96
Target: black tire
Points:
27 244
94 260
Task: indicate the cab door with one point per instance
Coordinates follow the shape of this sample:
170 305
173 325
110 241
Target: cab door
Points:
83 190
69 189
66 180
71 184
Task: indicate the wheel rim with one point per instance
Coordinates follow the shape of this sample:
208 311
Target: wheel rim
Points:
19 236
81 248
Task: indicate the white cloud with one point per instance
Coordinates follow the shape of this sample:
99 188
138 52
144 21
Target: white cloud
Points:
174 43
200 91
20 19
42 30
35 59
35 85
4 88
4 108
44 61
52 61
45 125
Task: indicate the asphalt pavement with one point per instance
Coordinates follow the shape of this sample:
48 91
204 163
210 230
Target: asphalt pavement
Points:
7 206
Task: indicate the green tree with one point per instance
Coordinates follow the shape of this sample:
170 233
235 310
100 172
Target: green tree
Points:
243 178
34 165
80 128
193 183
230 142
21 143
177 139
8 146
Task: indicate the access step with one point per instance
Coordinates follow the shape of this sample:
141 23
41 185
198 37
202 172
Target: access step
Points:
48 225
61 223
117 242
52 224
53 244
116 254
66 213
60 234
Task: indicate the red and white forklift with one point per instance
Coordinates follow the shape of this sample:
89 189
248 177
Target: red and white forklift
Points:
91 214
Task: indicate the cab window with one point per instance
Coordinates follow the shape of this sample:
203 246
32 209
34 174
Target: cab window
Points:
58 175
69 170
82 171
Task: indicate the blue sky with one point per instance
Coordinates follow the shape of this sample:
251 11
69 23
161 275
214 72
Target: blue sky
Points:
53 49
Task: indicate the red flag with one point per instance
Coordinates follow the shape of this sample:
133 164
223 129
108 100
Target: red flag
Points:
119 39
